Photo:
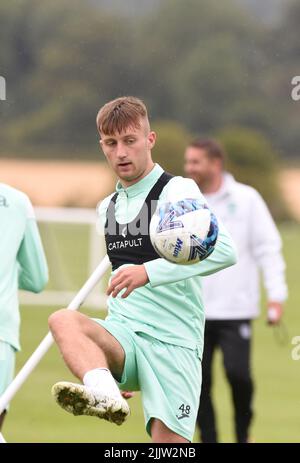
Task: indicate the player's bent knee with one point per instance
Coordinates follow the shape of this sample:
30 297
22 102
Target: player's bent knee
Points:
61 317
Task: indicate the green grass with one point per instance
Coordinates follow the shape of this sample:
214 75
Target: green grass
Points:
34 416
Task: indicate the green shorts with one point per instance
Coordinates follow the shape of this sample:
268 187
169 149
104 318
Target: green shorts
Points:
7 365
169 377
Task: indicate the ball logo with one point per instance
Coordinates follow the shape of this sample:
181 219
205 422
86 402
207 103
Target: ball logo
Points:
198 248
178 247
167 222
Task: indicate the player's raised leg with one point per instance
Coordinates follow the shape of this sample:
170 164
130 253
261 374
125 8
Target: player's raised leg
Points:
95 357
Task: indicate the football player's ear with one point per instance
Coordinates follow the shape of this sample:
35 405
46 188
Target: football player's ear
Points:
101 147
151 139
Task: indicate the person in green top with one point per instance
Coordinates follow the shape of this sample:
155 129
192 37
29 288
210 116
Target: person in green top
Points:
22 265
152 338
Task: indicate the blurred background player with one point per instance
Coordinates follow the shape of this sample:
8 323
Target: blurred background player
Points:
22 265
152 338
231 299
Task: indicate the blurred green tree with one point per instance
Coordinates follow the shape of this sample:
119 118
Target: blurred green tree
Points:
205 64
172 139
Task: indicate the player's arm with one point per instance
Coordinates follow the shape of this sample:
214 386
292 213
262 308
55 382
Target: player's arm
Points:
161 272
266 247
33 270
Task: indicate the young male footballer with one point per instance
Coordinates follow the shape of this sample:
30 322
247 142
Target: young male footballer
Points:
152 338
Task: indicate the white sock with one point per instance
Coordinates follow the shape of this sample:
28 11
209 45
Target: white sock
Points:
103 380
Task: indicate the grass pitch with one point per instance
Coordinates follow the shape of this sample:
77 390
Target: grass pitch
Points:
35 417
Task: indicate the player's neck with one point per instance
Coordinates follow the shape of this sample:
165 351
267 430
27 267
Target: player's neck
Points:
148 169
213 186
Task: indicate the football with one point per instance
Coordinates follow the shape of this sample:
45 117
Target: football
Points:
183 232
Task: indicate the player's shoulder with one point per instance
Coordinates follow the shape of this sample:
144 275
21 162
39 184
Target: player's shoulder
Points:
180 187
246 192
182 182
9 190
103 203
16 197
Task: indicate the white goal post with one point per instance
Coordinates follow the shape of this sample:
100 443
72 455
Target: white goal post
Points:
59 227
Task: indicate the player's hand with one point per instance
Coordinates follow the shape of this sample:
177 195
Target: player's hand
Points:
127 394
275 312
130 278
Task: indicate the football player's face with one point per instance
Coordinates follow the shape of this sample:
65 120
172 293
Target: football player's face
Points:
198 166
129 152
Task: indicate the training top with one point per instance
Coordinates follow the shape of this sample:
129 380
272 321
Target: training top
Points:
22 259
169 307
246 216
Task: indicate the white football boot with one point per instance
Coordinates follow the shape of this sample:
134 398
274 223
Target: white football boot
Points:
84 400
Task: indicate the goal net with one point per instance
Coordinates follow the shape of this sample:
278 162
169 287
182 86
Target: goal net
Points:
73 249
